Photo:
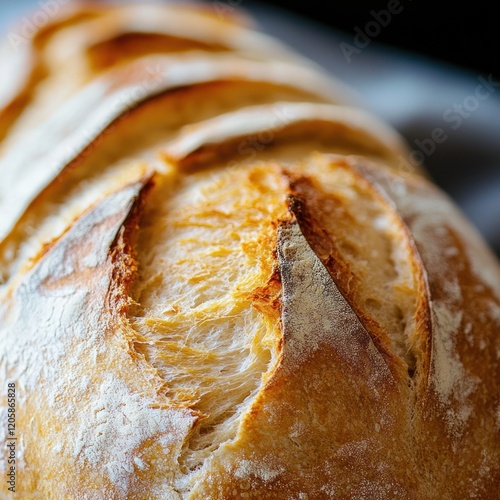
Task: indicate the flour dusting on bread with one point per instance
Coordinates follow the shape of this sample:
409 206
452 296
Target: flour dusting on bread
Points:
218 280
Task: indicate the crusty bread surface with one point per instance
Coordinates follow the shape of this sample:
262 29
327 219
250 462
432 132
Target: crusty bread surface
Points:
219 279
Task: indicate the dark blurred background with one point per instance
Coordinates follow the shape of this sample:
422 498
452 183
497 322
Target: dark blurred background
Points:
463 34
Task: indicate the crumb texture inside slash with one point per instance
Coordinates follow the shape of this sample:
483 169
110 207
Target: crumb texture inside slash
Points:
63 351
206 317
363 243
104 151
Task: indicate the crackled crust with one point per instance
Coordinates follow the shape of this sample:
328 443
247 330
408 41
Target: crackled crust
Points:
82 327
187 90
336 415
224 285
114 99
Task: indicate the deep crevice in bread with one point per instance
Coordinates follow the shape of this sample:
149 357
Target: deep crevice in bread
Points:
128 46
359 240
229 348
120 154
206 315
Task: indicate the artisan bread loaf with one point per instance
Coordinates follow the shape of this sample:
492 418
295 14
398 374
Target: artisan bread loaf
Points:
217 280
84 40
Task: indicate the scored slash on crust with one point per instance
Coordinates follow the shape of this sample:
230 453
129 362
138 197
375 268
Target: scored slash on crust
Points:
282 311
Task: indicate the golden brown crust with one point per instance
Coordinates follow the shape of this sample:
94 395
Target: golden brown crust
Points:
463 298
326 350
116 414
341 128
78 42
113 99
286 312
23 59
63 154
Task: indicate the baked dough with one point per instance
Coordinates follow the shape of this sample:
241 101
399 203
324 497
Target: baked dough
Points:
219 281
